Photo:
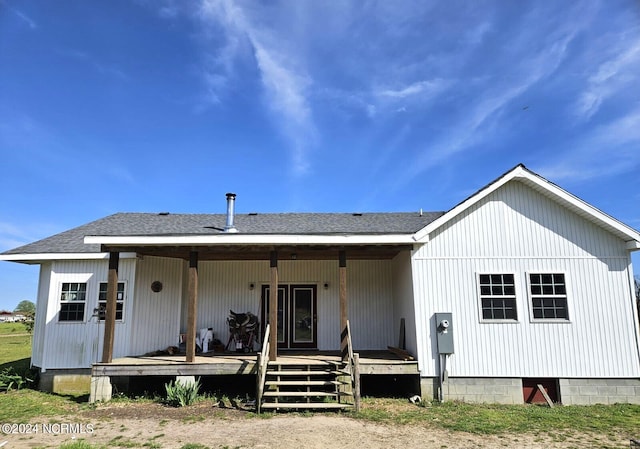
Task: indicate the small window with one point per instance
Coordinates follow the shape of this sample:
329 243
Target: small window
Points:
72 301
102 300
498 296
548 296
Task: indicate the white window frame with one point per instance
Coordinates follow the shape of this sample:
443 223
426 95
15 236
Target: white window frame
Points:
118 300
530 296
62 302
480 296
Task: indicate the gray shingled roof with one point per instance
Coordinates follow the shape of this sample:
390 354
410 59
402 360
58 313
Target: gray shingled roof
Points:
148 224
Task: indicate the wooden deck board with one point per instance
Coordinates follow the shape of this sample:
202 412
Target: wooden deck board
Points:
371 362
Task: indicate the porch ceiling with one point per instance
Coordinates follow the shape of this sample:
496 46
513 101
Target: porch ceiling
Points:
262 252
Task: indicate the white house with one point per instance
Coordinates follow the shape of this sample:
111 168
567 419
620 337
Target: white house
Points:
535 284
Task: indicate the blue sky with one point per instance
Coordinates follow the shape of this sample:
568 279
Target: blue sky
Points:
314 106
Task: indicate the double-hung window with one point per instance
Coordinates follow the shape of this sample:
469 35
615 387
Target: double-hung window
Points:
73 297
548 296
497 297
102 300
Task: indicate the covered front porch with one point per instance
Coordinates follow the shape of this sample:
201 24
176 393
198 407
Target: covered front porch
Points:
320 289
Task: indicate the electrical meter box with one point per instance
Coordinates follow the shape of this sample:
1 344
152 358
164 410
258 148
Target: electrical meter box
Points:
444 333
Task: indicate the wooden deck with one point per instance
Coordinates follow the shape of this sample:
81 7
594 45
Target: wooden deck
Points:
371 362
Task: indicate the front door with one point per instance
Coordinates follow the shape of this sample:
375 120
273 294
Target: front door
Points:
297 317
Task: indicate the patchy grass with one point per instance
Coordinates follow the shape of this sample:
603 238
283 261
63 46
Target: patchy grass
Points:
14 348
81 444
26 405
12 328
120 441
499 419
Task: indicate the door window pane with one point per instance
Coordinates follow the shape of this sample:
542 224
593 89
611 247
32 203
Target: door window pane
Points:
303 316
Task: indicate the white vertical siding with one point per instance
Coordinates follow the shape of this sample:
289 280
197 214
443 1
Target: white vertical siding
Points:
78 344
369 290
41 315
225 285
156 315
403 304
517 230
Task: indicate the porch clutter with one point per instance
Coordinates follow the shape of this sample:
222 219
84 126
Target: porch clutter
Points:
242 331
205 339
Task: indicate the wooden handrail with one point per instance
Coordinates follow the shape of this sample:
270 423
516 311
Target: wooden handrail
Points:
349 345
265 339
262 362
354 368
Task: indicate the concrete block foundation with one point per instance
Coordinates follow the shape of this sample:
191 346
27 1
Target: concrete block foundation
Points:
599 391
509 390
481 389
76 381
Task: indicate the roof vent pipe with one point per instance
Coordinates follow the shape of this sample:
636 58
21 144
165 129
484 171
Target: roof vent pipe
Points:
231 199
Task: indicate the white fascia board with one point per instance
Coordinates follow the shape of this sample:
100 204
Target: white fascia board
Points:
633 245
61 256
250 239
423 234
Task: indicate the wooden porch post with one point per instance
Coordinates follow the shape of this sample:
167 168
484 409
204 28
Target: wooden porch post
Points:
344 350
192 309
110 313
273 308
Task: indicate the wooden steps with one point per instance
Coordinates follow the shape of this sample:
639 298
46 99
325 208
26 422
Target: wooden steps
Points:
306 406
314 386
305 394
301 383
304 373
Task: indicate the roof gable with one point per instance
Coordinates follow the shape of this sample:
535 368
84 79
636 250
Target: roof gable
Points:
522 174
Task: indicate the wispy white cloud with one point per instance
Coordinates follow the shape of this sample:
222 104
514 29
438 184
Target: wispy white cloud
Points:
482 115
111 70
14 231
285 82
418 88
25 18
607 150
22 134
13 235
121 174
612 76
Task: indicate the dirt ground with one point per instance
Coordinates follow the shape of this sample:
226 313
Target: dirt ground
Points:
156 426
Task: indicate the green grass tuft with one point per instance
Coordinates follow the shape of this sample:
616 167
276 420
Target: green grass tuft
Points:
81 444
20 406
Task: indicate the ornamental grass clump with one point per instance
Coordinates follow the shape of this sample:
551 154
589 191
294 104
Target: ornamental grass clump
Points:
180 394
11 380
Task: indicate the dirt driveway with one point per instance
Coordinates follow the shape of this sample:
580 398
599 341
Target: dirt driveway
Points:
155 426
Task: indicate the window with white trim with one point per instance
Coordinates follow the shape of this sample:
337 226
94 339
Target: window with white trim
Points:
102 301
498 296
73 297
548 296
